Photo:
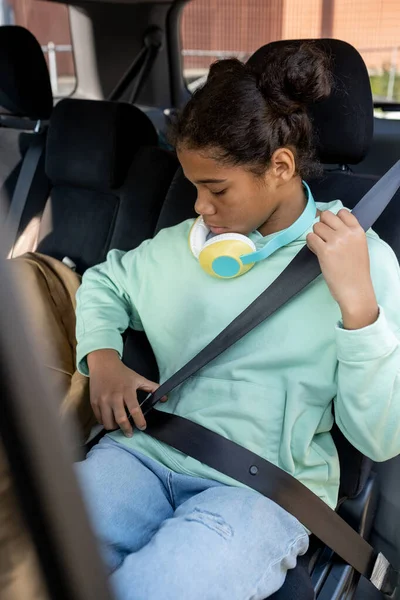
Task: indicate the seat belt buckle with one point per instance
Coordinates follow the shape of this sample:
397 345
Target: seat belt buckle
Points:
384 577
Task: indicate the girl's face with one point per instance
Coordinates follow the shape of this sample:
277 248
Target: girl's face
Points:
233 199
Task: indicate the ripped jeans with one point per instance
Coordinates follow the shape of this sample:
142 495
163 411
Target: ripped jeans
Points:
167 536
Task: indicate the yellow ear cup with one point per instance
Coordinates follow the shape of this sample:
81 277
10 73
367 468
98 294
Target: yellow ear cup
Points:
221 258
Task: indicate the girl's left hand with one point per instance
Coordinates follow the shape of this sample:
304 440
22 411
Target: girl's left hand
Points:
341 246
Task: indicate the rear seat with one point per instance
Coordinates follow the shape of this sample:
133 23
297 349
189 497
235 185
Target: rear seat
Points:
101 180
108 181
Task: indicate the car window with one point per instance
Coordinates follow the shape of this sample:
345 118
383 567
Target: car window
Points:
213 29
49 23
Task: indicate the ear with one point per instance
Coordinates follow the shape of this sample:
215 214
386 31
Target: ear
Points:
283 165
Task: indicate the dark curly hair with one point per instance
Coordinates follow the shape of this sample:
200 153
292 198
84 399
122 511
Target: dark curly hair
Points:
242 115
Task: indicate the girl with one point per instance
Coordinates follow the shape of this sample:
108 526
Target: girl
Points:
171 527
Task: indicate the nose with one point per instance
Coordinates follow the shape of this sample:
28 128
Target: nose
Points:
203 205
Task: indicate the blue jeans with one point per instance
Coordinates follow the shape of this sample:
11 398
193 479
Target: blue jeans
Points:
167 536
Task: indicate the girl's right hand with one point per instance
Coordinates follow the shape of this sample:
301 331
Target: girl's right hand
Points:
113 388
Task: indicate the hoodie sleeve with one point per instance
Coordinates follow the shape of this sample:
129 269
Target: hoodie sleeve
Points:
367 406
106 304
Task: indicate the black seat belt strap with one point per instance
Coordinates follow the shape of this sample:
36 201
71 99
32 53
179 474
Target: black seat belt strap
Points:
24 184
241 464
141 67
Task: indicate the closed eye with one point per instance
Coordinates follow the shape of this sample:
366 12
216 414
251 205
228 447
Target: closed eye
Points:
220 193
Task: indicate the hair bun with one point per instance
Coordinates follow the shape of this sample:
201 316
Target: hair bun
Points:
294 77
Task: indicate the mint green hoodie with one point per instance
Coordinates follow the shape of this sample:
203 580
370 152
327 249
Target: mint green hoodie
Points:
272 391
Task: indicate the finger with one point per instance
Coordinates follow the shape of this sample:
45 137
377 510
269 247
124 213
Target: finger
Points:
348 218
324 231
146 385
332 220
121 417
107 417
97 412
150 386
134 410
315 243
95 403
138 418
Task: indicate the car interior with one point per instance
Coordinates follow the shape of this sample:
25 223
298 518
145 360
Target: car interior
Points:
94 171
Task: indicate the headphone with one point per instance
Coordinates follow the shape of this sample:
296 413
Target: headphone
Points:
230 255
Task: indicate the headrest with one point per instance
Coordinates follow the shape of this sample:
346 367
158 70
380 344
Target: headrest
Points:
25 88
91 143
343 122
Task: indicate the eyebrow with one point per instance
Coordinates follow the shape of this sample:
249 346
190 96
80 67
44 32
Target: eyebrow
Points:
210 181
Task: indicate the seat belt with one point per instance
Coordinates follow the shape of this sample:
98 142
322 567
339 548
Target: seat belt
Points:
21 192
141 67
243 465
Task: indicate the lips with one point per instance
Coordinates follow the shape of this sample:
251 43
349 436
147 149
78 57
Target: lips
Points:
216 229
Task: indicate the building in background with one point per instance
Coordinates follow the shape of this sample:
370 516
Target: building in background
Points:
239 27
